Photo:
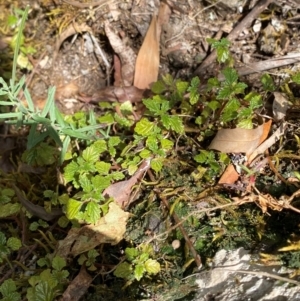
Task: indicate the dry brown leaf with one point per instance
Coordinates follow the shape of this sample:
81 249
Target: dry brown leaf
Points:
121 191
237 140
78 287
280 106
125 53
109 229
229 176
147 62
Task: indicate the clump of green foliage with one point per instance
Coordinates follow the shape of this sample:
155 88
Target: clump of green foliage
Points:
95 151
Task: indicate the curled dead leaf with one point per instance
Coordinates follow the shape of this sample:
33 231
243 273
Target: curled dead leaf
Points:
237 140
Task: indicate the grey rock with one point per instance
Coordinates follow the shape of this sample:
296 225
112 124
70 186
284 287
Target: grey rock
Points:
234 276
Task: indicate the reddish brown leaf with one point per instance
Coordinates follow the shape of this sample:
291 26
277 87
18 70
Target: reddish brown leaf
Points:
121 191
230 175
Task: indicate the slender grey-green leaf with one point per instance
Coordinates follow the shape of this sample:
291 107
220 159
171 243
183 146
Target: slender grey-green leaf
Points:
54 135
6 103
52 114
90 128
35 136
18 87
28 100
40 119
10 115
75 134
64 149
50 102
18 44
59 118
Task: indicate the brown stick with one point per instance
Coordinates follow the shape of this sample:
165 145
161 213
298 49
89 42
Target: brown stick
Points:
246 22
267 64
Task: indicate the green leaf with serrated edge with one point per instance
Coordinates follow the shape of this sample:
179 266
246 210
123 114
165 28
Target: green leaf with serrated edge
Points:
173 122
14 243
7 287
255 102
245 124
152 266
245 113
139 271
181 87
152 142
131 169
58 263
214 105
90 154
231 76
85 183
93 211
43 292
131 253
168 79
166 144
123 270
108 118
158 87
100 146
268 83
63 222
118 175
225 92
145 128
114 141
143 257
103 167
152 105
230 110
100 182
70 170
239 88
145 153
201 158
73 207
122 120
9 210
156 164
126 107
